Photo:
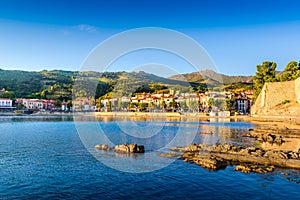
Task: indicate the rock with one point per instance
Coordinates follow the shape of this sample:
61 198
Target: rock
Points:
260 170
278 140
243 169
284 173
193 147
276 154
129 148
260 138
217 148
265 137
178 149
244 151
270 138
254 168
226 148
102 147
257 152
250 159
210 162
270 168
235 149
293 155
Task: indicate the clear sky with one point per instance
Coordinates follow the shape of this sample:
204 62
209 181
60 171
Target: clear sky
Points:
59 34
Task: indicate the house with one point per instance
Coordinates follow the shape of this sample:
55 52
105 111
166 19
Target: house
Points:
64 106
81 104
6 104
242 104
109 104
36 104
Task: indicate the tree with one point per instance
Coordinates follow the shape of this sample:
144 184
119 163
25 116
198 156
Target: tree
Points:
193 105
157 87
99 105
201 89
69 105
173 104
8 95
264 73
291 71
92 102
163 104
57 104
142 106
109 106
221 104
210 102
151 105
133 106
124 105
229 104
183 105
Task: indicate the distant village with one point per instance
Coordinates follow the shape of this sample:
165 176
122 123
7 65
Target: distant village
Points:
214 103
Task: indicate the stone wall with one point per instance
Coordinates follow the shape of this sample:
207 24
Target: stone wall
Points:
273 95
297 89
278 92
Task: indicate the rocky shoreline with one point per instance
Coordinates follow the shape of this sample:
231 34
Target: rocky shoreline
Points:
257 158
248 159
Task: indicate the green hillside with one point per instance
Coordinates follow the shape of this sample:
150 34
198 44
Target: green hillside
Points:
63 85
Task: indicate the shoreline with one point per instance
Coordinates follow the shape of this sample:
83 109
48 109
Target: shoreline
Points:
280 121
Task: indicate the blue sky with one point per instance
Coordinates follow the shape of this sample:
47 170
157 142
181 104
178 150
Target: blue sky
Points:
237 34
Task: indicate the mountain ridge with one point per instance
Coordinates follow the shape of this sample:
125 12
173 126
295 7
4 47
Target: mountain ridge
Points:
208 76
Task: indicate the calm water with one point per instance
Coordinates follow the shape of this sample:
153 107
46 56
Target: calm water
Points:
46 157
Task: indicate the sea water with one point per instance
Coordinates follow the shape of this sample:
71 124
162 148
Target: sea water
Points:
53 157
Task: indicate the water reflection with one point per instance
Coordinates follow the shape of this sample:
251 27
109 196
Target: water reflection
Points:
32 118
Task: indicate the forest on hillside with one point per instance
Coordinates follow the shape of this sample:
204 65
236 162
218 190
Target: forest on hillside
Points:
64 85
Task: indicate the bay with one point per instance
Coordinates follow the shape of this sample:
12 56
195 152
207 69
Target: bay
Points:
53 157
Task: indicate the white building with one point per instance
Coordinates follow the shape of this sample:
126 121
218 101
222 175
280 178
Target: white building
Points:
5 103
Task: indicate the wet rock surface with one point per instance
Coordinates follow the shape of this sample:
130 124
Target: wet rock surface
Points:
248 159
123 148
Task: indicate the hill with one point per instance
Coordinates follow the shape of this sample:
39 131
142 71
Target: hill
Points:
59 84
212 78
63 85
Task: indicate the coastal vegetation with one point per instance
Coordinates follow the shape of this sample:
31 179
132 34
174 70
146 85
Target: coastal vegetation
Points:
266 72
